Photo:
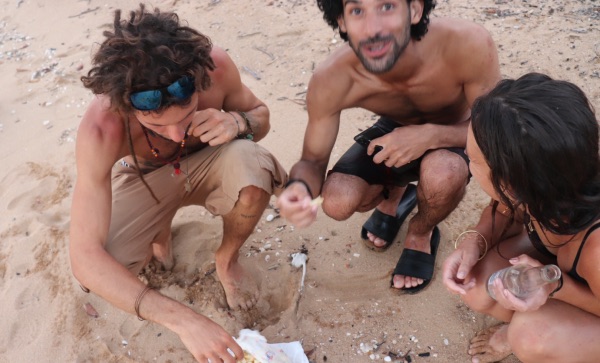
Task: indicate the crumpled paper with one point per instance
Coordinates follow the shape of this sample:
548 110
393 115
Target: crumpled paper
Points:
254 343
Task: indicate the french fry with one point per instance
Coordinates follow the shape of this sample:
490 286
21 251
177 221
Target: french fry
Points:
317 201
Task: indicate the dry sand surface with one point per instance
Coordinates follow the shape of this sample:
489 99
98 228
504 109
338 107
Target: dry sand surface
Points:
346 305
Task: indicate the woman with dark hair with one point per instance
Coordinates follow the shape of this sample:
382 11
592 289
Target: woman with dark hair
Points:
533 147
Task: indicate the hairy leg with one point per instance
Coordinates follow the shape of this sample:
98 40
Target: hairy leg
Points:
241 290
442 183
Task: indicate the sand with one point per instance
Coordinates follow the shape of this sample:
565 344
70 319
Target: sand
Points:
346 311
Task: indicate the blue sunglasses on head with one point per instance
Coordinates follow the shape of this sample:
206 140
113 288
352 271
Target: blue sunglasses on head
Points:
151 100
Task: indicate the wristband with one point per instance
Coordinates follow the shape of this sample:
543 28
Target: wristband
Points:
291 181
560 285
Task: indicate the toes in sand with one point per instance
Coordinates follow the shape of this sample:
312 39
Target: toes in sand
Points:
241 289
490 345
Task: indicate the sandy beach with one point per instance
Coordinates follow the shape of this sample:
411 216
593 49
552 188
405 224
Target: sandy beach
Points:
346 311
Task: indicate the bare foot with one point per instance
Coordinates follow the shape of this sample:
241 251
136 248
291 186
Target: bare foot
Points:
240 288
490 345
163 253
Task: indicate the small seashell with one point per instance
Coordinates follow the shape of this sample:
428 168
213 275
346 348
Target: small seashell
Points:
89 309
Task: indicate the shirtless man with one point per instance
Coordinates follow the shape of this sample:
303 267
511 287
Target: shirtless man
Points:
172 125
421 77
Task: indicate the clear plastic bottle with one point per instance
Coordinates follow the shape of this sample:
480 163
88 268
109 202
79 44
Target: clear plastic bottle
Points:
522 280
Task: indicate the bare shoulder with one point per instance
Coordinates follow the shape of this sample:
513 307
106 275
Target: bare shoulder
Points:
460 30
469 50
101 133
224 65
588 262
332 81
462 38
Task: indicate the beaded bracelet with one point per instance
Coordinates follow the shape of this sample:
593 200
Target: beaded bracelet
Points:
473 231
249 134
138 300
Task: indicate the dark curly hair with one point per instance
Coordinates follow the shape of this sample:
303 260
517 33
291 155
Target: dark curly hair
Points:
148 51
333 9
539 137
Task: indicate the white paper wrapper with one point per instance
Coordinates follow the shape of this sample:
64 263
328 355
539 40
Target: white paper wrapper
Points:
254 343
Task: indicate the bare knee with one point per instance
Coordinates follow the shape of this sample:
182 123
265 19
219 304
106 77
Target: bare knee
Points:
337 207
340 197
478 300
530 337
444 169
252 195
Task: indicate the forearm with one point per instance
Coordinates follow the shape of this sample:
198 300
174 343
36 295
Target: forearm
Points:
104 276
255 122
311 173
442 136
579 295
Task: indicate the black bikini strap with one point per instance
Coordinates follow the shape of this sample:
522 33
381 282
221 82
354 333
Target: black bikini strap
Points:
592 229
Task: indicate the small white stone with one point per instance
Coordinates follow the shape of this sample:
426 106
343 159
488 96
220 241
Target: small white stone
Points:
270 217
446 342
387 359
357 255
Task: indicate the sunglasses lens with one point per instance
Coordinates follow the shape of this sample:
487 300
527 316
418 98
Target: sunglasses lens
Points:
183 88
146 100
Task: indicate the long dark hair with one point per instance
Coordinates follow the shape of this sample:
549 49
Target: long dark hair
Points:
333 9
539 137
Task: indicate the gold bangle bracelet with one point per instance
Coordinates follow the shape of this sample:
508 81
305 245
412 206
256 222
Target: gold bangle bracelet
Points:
477 232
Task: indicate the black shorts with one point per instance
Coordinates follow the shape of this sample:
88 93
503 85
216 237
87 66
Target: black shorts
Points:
357 162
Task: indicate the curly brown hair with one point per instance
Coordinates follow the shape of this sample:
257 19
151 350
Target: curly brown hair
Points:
151 50
333 9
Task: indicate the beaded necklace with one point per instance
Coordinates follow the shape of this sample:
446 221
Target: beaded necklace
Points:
174 160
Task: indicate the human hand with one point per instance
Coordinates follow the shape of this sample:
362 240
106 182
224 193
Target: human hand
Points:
206 340
401 146
215 127
532 302
457 266
296 206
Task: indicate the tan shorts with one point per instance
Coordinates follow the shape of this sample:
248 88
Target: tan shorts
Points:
217 174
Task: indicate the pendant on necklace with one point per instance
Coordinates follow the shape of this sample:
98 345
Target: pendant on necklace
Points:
188 185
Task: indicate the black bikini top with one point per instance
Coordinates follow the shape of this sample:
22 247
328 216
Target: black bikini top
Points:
539 245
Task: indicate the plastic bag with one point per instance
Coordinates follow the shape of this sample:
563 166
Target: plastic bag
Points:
254 343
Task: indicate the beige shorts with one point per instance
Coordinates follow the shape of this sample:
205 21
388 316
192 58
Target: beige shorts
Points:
216 174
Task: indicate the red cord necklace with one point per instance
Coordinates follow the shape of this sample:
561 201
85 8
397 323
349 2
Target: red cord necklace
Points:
176 158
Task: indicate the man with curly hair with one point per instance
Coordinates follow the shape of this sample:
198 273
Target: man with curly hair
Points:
171 125
420 75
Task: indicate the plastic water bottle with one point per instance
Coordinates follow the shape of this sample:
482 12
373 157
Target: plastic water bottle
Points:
522 280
